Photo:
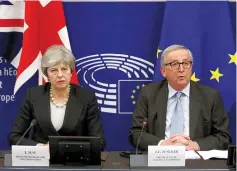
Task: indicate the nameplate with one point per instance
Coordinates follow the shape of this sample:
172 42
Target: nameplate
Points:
166 156
30 155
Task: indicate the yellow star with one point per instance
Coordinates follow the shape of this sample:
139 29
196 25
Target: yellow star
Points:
133 102
132 97
193 78
133 91
138 87
143 85
158 51
216 74
233 59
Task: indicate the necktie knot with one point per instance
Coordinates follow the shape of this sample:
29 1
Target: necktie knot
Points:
178 95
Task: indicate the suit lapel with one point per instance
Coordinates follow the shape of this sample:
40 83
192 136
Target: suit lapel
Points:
72 113
161 103
42 112
194 109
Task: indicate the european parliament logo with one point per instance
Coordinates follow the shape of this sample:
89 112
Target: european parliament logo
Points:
116 79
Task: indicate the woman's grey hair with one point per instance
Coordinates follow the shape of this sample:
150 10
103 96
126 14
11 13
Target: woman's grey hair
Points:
171 49
57 54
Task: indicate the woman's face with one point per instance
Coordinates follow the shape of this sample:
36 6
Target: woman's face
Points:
59 76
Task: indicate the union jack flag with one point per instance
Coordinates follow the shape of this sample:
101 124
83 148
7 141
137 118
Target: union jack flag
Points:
31 27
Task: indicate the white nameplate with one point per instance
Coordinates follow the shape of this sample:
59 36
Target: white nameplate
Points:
30 155
166 155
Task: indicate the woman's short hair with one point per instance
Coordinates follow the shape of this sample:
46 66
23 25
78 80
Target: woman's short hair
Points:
57 54
171 49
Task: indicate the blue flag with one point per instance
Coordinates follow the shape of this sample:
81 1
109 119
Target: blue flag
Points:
206 29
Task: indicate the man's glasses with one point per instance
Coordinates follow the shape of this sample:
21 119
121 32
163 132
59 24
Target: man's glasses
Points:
176 65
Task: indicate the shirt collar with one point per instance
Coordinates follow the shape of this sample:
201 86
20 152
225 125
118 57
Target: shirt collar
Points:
172 91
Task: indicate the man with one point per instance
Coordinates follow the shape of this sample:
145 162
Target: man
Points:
179 111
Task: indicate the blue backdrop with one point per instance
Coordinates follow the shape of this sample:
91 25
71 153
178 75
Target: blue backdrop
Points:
116 46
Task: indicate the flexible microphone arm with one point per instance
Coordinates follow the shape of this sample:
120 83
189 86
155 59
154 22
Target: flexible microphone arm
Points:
33 122
144 123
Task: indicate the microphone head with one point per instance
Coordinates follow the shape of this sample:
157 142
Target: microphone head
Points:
33 122
144 121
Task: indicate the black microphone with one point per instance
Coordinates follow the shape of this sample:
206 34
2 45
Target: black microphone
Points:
144 123
33 122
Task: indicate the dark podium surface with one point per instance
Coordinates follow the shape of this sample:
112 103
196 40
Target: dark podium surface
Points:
113 161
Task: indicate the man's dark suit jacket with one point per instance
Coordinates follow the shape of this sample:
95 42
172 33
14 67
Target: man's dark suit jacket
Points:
208 122
82 116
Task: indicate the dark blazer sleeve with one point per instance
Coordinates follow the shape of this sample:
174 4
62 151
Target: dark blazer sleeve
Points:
21 124
94 121
219 138
139 115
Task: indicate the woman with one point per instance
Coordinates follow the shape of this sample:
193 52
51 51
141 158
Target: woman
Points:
60 108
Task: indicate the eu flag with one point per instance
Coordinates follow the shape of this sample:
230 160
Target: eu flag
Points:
128 93
206 29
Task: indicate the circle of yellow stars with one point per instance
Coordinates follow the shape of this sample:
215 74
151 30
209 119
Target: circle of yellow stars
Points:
216 74
133 93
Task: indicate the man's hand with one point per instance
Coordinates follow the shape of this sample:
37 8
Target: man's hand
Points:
177 140
192 146
167 142
180 140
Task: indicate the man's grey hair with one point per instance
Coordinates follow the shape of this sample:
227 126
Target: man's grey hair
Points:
55 55
171 49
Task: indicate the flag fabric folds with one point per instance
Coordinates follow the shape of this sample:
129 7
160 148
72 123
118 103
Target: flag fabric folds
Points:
206 29
43 25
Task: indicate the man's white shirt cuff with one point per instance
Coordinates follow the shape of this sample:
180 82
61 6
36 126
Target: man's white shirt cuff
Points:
160 142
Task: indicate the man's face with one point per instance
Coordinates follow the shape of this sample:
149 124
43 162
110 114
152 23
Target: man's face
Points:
178 75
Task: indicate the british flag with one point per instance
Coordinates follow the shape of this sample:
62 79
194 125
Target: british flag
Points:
27 29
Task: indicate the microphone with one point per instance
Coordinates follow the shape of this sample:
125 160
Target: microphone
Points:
144 123
33 122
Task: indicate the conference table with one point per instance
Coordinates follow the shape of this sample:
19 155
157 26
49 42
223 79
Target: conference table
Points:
113 161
